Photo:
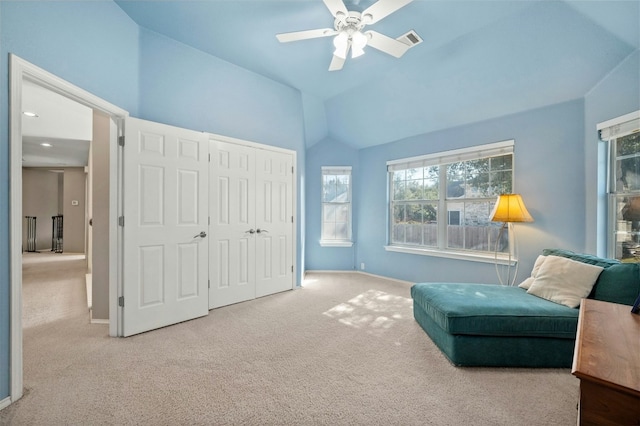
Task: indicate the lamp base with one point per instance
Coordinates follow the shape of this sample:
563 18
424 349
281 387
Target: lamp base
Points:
511 236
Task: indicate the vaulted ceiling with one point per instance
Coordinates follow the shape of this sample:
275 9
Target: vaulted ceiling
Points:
480 59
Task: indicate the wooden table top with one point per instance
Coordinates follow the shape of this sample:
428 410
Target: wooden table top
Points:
609 348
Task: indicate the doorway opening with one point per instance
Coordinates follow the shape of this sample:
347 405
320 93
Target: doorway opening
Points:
20 72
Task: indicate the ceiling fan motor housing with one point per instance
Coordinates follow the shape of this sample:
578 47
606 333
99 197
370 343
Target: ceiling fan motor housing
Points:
350 23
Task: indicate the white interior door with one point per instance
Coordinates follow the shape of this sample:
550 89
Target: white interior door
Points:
274 222
232 246
251 196
165 208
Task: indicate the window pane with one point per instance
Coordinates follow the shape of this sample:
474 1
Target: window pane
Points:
414 190
329 213
431 187
477 178
328 231
455 180
455 230
628 174
470 227
501 163
397 227
342 179
328 188
627 177
341 231
399 190
414 213
413 234
627 228
342 193
431 182
500 183
414 173
341 213
628 145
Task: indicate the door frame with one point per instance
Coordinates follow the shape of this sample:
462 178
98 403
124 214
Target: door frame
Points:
19 70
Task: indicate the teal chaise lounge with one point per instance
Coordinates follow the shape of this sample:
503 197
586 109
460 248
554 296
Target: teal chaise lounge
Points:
503 326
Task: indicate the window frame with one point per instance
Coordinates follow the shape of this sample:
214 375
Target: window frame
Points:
442 159
336 171
611 132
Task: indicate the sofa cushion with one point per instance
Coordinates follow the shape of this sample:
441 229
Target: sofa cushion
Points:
493 310
584 258
618 284
565 281
534 273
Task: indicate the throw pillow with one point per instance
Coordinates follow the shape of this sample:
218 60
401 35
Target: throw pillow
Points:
564 281
534 272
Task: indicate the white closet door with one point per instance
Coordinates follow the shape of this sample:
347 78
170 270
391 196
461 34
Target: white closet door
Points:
251 246
233 224
274 222
165 220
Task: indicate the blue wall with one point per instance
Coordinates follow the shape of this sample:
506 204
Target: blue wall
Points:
615 95
185 87
93 45
549 173
97 47
328 153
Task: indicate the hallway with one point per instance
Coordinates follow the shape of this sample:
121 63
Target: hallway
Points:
53 288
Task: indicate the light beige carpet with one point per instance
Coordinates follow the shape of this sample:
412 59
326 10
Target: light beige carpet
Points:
344 350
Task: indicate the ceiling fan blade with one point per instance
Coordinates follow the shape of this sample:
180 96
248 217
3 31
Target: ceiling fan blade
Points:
382 9
335 7
305 35
386 44
336 63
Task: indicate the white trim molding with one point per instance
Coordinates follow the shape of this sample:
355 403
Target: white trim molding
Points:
5 403
20 70
484 257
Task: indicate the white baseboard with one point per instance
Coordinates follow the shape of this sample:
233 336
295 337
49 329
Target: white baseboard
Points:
359 272
5 402
88 280
93 320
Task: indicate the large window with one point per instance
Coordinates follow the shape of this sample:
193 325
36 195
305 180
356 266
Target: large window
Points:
624 187
443 202
336 206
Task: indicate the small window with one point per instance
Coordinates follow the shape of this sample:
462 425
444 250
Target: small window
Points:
336 207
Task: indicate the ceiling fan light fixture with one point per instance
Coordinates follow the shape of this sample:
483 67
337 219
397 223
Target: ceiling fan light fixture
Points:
358 42
341 43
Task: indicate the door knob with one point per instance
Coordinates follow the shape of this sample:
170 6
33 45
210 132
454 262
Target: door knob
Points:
201 235
250 231
261 230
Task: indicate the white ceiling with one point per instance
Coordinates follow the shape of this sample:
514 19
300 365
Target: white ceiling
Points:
64 124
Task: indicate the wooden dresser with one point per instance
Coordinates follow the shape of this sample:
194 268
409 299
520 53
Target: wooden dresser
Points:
607 362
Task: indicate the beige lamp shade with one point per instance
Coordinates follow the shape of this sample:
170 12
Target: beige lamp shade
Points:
510 208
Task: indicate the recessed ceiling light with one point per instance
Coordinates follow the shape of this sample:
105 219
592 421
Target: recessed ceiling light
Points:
46 144
30 114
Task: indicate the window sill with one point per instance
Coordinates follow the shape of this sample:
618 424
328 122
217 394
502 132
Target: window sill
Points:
484 257
336 243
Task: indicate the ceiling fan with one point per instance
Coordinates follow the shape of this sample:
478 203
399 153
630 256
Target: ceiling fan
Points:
349 35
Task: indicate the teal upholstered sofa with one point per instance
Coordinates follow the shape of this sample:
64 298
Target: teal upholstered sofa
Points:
503 326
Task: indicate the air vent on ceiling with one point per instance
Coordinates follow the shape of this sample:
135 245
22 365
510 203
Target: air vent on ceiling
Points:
411 38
